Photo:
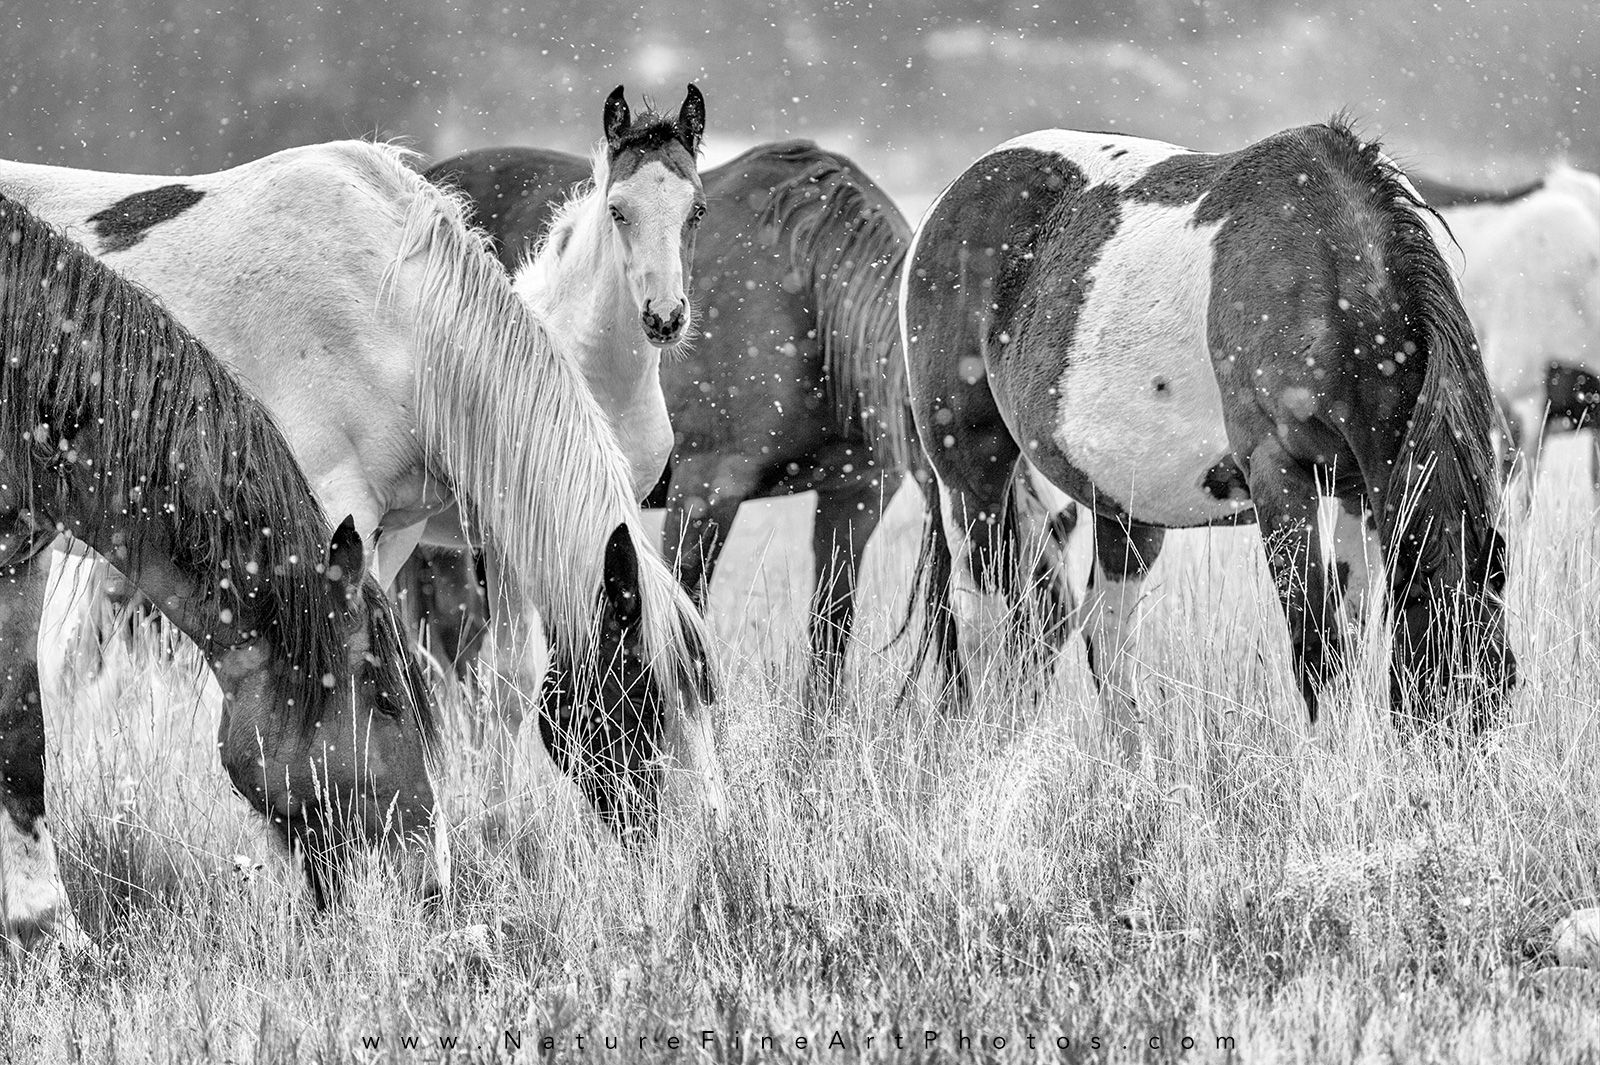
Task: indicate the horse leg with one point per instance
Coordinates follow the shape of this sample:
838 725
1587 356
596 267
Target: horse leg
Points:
1124 551
1531 422
1046 519
700 511
1286 502
846 517
514 653
1357 555
33 900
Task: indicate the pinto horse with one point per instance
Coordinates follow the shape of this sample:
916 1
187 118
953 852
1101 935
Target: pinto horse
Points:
794 383
409 378
1531 282
1179 339
123 433
612 278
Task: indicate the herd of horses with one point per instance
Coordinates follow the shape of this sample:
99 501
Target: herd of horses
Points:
482 371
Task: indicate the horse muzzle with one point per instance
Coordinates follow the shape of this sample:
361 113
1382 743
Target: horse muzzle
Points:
664 330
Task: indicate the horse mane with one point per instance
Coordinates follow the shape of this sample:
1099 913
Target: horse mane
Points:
542 272
1446 458
509 418
172 436
850 240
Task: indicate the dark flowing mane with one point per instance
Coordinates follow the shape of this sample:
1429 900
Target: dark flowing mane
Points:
1446 456
178 454
849 240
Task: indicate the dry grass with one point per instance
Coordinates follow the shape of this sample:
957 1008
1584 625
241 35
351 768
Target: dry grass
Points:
1328 895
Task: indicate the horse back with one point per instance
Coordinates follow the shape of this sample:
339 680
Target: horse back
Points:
513 193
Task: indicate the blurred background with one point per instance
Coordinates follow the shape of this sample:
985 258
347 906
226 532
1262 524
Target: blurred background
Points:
1486 93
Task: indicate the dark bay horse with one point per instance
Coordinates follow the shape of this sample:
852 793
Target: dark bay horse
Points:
795 382
1179 339
123 433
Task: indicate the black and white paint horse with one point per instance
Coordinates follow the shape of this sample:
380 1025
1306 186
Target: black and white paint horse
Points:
1530 278
412 382
1178 339
795 381
122 432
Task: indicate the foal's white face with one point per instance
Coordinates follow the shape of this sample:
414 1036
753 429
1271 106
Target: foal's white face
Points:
654 212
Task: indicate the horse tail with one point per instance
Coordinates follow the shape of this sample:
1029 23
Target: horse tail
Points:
848 241
1441 502
931 580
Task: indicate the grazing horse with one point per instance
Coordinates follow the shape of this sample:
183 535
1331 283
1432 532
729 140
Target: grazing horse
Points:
408 377
795 381
124 433
1531 282
1179 339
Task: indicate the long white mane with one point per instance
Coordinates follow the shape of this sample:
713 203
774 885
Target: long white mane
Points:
558 257
511 422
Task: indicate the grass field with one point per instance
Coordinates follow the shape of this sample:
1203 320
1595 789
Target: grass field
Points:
1309 895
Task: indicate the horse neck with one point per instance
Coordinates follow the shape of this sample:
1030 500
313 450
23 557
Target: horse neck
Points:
580 287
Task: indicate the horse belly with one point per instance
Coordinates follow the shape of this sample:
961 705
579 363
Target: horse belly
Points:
1139 412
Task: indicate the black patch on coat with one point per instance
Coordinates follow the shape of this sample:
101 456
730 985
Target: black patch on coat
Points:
1439 194
124 223
1178 179
1226 481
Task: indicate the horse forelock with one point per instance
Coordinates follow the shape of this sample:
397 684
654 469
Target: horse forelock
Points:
178 435
651 134
510 419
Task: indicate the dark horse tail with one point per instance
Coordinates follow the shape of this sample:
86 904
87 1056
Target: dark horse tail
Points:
847 240
930 586
1440 503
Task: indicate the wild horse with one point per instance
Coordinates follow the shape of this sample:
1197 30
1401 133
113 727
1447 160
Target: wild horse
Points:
1178 339
352 297
124 434
795 381
1530 278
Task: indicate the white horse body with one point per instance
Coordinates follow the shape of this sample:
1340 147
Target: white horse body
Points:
406 375
1531 283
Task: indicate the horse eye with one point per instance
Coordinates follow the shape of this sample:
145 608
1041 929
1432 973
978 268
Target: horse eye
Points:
698 215
617 216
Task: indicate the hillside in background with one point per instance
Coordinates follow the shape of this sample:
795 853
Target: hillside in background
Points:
915 88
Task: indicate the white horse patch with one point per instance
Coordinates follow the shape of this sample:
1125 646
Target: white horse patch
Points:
1140 411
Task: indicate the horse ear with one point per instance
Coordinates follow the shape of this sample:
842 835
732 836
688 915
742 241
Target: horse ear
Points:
347 555
692 119
621 586
617 118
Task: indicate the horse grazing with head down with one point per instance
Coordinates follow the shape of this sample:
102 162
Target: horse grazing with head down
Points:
1530 279
1178 339
123 433
411 380
794 382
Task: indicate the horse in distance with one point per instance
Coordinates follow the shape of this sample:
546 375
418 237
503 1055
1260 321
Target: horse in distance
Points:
1529 262
124 434
352 297
1179 339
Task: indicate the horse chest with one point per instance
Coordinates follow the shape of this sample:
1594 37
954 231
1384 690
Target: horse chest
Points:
1123 395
